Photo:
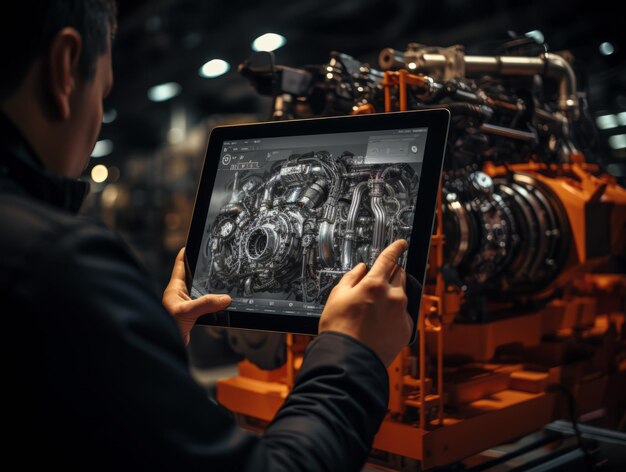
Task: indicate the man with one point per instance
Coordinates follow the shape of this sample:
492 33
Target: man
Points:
96 371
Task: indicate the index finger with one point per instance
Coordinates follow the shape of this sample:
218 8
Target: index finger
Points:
388 259
178 272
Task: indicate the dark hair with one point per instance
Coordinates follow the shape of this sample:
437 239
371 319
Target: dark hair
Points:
27 31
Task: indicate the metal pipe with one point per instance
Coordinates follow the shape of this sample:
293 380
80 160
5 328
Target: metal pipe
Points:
356 175
234 198
391 59
509 132
269 189
380 222
325 247
346 256
314 195
389 169
568 98
550 65
377 191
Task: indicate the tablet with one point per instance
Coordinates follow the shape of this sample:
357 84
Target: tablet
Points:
284 209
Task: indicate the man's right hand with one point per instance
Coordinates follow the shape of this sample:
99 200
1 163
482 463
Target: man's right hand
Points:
372 306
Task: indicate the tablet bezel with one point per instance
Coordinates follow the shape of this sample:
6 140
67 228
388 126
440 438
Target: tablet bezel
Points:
436 120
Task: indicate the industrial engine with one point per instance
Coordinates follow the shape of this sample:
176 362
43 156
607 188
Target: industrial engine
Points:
525 287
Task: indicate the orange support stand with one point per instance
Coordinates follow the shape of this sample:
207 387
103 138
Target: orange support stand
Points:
402 79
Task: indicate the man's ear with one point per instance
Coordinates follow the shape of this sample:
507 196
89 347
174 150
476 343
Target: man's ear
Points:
63 70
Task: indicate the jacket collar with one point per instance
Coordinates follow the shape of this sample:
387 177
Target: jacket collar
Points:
21 165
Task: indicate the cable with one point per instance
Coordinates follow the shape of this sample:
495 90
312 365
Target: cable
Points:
571 403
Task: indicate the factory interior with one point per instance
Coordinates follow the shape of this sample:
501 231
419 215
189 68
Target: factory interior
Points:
520 356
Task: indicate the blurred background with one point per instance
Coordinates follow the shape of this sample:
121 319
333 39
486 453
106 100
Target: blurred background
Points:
175 64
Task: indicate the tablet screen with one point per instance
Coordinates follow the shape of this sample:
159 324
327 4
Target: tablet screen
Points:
288 216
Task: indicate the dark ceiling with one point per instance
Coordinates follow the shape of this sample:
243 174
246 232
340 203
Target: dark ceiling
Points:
168 40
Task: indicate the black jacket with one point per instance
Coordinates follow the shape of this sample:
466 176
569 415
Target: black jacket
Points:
96 374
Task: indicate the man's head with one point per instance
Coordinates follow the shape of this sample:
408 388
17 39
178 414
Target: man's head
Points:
56 70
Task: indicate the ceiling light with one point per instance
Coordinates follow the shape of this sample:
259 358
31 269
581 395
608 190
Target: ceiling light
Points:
606 121
621 118
618 141
536 35
102 148
109 116
606 48
163 92
268 42
99 173
214 68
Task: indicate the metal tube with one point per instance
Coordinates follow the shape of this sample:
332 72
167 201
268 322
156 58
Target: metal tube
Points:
434 60
558 67
234 198
551 65
377 191
504 65
508 132
346 256
391 59
269 189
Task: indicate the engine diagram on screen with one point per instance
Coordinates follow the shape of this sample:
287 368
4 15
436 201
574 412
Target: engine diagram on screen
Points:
297 227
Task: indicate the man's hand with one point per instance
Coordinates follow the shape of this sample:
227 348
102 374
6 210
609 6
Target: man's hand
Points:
372 307
179 304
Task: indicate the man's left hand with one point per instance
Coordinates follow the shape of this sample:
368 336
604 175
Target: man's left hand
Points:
179 304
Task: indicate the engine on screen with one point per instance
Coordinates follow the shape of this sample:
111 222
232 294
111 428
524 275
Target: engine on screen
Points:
300 225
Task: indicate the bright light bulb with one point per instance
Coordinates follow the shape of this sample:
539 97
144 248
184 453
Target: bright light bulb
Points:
606 48
102 148
618 141
606 121
268 42
99 173
109 116
163 92
214 68
536 35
